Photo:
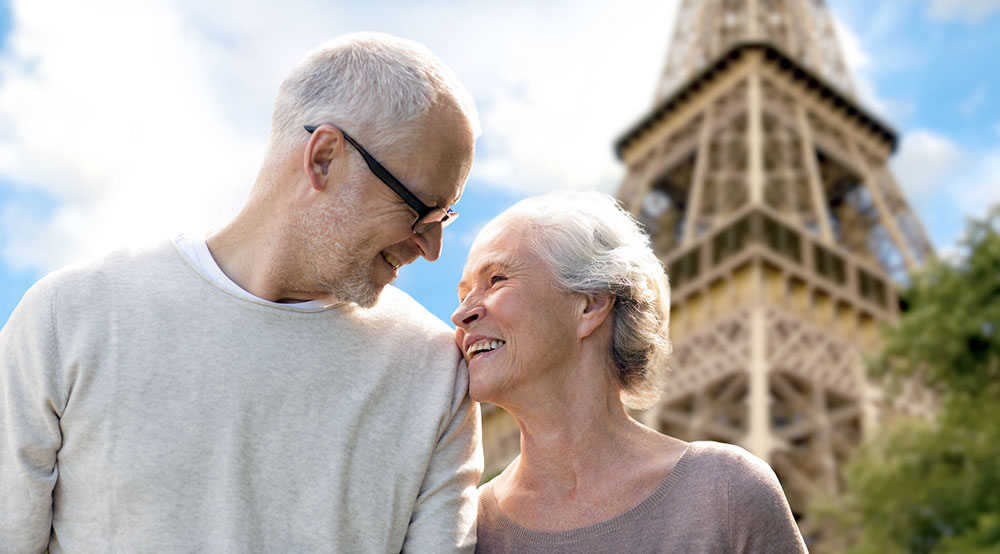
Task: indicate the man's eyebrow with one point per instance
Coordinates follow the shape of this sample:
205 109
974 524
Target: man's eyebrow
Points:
437 202
431 199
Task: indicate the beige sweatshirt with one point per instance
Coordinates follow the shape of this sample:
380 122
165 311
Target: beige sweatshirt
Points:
145 409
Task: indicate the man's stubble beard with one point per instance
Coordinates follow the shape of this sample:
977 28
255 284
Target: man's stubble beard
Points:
354 283
343 266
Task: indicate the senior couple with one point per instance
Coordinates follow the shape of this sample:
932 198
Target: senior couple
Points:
261 389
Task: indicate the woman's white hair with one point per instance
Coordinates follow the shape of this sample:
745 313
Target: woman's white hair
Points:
375 86
592 246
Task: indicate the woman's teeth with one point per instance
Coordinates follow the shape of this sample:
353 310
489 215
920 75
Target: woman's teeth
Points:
483 346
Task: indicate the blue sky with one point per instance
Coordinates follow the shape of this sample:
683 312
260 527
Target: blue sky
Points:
123 122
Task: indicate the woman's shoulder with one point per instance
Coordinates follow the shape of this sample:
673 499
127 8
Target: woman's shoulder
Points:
753 489
755 505
733 471
728 458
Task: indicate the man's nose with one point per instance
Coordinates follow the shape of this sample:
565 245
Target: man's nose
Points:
429 243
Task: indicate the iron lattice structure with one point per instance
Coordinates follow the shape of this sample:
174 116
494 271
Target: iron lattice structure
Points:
764 186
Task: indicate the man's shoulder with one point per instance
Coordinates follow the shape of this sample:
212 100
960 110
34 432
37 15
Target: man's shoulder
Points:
401 311
113 262
111 271
91 281
399 319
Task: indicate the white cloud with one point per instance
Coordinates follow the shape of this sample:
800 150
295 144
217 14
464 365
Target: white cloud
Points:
979 188
108 110
855 56
862 67
973 101
970 11
946 180
40 244
969 192
143 119
556 103
925 162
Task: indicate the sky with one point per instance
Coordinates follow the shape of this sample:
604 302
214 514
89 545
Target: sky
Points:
123 122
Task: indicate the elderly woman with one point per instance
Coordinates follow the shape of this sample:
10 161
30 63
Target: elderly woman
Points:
563 320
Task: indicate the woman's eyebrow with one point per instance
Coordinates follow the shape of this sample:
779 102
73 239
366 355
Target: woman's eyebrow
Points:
500 263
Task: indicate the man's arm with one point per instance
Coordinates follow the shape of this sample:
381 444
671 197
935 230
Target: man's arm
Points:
444 517
29 423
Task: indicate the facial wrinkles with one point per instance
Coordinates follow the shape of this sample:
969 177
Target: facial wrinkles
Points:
519 314
478 279
510 320
476 289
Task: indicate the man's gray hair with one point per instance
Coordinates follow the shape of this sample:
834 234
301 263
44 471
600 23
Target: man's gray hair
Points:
592 246
375 86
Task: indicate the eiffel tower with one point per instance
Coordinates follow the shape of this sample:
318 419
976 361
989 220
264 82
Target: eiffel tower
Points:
764 186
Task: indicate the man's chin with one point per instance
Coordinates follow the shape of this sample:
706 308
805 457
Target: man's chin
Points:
366 296
362 292
369 300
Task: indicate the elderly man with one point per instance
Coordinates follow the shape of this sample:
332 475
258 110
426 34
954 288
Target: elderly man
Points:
262 389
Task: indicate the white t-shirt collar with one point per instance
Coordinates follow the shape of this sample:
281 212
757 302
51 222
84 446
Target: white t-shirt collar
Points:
196 250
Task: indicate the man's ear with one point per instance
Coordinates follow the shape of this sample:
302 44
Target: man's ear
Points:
594 311
324 155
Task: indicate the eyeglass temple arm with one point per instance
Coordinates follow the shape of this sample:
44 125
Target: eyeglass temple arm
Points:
384 175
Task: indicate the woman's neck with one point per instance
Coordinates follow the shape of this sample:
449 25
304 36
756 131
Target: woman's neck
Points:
583 459
573 433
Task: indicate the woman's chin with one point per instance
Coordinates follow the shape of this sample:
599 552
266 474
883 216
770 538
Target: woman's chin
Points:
482 390
479 393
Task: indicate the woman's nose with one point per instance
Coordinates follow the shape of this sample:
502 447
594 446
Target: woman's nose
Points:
466 314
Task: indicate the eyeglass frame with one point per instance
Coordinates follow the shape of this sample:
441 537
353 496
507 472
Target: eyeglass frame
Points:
423 210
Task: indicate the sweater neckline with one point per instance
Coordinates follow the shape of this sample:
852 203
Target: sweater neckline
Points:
193 250
508 527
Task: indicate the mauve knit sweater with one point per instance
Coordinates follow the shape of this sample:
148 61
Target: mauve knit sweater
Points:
718 499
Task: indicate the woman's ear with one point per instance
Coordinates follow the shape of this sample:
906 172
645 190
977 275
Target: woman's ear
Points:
594 311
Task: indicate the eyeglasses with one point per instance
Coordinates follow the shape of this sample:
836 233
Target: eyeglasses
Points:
428 217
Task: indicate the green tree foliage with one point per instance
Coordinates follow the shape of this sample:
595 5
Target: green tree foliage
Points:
928 486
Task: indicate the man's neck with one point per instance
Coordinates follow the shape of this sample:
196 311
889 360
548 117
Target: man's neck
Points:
254 256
